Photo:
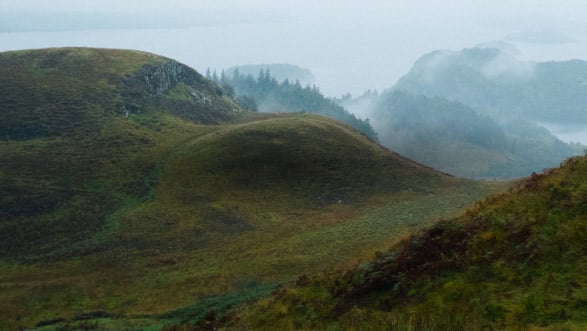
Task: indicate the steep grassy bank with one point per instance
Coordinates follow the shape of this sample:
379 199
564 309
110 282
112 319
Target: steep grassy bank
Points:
515 261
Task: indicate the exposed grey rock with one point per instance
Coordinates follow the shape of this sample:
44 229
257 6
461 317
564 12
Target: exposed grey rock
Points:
196 99
157 79
161 78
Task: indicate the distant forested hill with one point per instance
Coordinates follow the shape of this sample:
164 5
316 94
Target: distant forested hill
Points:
266 94
494 81
455 138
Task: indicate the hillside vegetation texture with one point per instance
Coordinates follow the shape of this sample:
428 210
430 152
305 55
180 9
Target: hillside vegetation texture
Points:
516 261
136 194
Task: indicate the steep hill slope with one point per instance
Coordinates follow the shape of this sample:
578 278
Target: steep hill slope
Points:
131 187
515 261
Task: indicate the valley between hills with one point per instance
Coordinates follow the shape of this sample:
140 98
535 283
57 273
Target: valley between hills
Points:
136 194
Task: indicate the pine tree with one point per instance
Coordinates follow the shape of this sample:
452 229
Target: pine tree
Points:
236 75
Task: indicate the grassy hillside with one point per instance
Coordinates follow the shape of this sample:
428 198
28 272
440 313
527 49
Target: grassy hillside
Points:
513 262
55 92
232 209
81 135
135 193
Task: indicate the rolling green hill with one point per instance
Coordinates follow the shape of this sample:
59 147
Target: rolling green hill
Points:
135 193
516 261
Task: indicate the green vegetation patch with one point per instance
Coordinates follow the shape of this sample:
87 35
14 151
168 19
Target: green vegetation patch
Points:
514 261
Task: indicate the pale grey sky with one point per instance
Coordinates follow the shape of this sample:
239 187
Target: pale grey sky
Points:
349 45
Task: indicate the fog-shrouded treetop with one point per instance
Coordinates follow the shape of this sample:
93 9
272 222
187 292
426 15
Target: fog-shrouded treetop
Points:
279 71
265 93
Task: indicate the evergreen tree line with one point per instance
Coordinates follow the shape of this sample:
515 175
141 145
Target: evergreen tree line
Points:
264 93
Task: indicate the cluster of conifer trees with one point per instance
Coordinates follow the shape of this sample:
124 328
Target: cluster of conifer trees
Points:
264 93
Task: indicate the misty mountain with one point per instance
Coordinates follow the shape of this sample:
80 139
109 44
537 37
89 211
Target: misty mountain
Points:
279 71
492 80
455 138
264 93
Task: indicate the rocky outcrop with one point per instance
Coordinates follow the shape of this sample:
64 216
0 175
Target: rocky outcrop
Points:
159 79
178 89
